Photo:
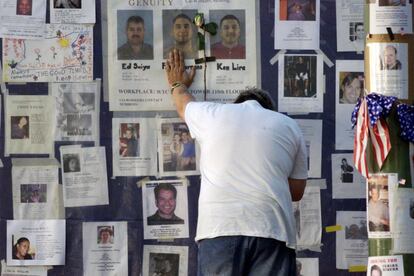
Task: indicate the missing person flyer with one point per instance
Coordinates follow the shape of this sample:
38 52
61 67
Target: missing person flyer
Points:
36 242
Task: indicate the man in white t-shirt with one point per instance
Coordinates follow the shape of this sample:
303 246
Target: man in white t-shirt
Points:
253 164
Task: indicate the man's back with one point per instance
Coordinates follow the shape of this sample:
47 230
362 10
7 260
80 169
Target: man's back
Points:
247 155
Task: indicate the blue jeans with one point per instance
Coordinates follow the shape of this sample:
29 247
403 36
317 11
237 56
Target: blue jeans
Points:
242 255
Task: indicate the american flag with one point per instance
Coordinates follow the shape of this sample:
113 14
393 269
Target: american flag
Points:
361 139
380 139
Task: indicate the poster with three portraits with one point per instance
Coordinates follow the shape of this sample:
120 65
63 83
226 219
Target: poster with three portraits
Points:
141 35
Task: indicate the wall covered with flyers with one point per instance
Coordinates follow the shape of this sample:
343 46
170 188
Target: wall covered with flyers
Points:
93 154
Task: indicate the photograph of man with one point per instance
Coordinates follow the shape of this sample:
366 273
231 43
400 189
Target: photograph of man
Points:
230 46
358 36
356 232
67 4
33 193
135 47
129 140
71 163
163 264
347 175
300 76
21 249
105 235
180 33
24 7
234 207
19 127
376 271
351 87
383 3
300 10
378 212
389 60
165 200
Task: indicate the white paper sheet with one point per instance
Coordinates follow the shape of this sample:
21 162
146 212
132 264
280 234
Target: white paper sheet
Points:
388 69
380 188
72 11
307 213
178 151
386 266
350 29
134 146
77 111
29 121
84 176
349 84
36 190
22 19
165 260
300 83
297 24
105 248
347 182
307 266
22 270
138 82
352 240
176 225
46 240
402 221
394 14
65 55
312 133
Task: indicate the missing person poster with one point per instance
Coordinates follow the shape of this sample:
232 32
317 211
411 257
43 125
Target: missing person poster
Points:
394 14
297 24
178 151
165 260
36 242
29 121
84 176
105 248
300 83
165 209
307 266
388 68
37 193
352 240
72 11
64 55
22 19
386 266
134 146
140 37
347 182
350 29
77 111
349 86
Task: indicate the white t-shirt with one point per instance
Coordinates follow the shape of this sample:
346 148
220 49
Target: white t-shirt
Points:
247 155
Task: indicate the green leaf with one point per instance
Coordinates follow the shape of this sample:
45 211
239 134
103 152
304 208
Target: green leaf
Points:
211 28
199 20
201 41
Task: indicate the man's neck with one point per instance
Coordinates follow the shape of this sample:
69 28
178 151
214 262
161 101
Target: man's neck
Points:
230 45
136 47
164 216
186 47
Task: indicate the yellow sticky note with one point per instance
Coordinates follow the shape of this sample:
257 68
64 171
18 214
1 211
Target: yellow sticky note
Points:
333 228
358 268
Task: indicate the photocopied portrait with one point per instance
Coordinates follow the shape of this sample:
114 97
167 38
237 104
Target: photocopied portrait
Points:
67 4
357 35
164 264
298 10
21 249
179 32
33 193
71 163
135 35
129 140
378 211
105 234
300 76
230 42
389 59
24 7
19 127
351 87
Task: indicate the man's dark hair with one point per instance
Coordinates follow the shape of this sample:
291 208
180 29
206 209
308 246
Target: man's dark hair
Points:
165 186
358 24
181 15
229 17
135 19
261 96
377 268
